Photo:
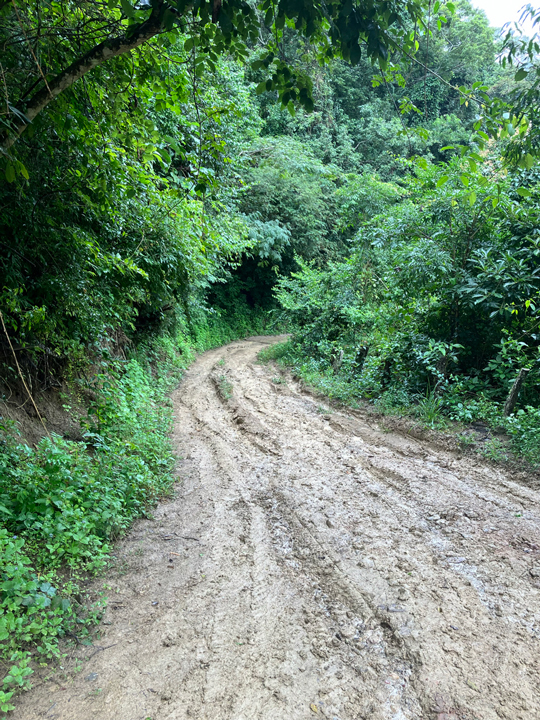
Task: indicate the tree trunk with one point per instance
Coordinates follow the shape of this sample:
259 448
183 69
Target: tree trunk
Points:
512 398
337 362
110 48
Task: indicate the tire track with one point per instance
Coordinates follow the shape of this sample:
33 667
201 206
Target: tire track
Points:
312 565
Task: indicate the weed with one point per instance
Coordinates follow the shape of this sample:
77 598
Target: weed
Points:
279 380
62 503
495 450
524 429
324 410
225 387
278 351
429 409
221 362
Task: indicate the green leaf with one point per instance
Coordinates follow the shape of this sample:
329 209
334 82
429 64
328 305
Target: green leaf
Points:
168 19
465 180
127 8
165 156
22 169
523 192
472 198
10 173
442 181
520 75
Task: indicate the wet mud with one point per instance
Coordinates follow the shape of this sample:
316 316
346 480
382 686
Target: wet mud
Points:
312 565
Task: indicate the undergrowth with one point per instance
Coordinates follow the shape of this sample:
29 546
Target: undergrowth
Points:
63 502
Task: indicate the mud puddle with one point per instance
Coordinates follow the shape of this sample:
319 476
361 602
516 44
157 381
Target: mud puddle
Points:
312 566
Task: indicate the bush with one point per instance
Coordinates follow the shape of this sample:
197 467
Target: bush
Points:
63 502
524 428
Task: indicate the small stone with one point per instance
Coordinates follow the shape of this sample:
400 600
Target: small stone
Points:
329 523
403 593
90 678
168 641
367 563
535 571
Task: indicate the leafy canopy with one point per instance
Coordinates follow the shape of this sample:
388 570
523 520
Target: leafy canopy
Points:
67 40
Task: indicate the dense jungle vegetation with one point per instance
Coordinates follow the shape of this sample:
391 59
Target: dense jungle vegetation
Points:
174 176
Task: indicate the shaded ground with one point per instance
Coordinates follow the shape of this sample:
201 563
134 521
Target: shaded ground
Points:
313 566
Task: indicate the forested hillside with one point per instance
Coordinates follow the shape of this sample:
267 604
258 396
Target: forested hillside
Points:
175 176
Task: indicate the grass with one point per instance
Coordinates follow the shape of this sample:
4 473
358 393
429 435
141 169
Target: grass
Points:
429 410
225 387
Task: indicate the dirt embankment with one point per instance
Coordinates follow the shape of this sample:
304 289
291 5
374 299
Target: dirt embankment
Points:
313 566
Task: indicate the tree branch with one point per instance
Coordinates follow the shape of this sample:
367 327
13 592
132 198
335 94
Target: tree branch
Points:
106 50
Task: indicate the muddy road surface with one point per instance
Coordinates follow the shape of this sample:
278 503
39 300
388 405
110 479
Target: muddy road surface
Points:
312 565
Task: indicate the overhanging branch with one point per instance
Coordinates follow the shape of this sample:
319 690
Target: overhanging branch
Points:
106 50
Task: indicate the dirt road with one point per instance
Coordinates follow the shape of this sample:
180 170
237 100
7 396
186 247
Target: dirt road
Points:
310 566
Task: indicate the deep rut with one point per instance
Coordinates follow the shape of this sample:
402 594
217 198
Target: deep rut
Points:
313 566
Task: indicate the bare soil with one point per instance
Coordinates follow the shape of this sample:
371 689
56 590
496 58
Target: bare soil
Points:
313 565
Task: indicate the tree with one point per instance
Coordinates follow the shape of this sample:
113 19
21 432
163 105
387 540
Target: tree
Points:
64 42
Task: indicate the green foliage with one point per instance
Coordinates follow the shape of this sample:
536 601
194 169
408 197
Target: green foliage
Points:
63 502
69 502
437 303
429 409
31 610
225 387
524 428
276 351
113 223
107 32
155 204
32 613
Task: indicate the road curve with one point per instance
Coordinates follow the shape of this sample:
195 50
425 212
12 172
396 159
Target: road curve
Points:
312 565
